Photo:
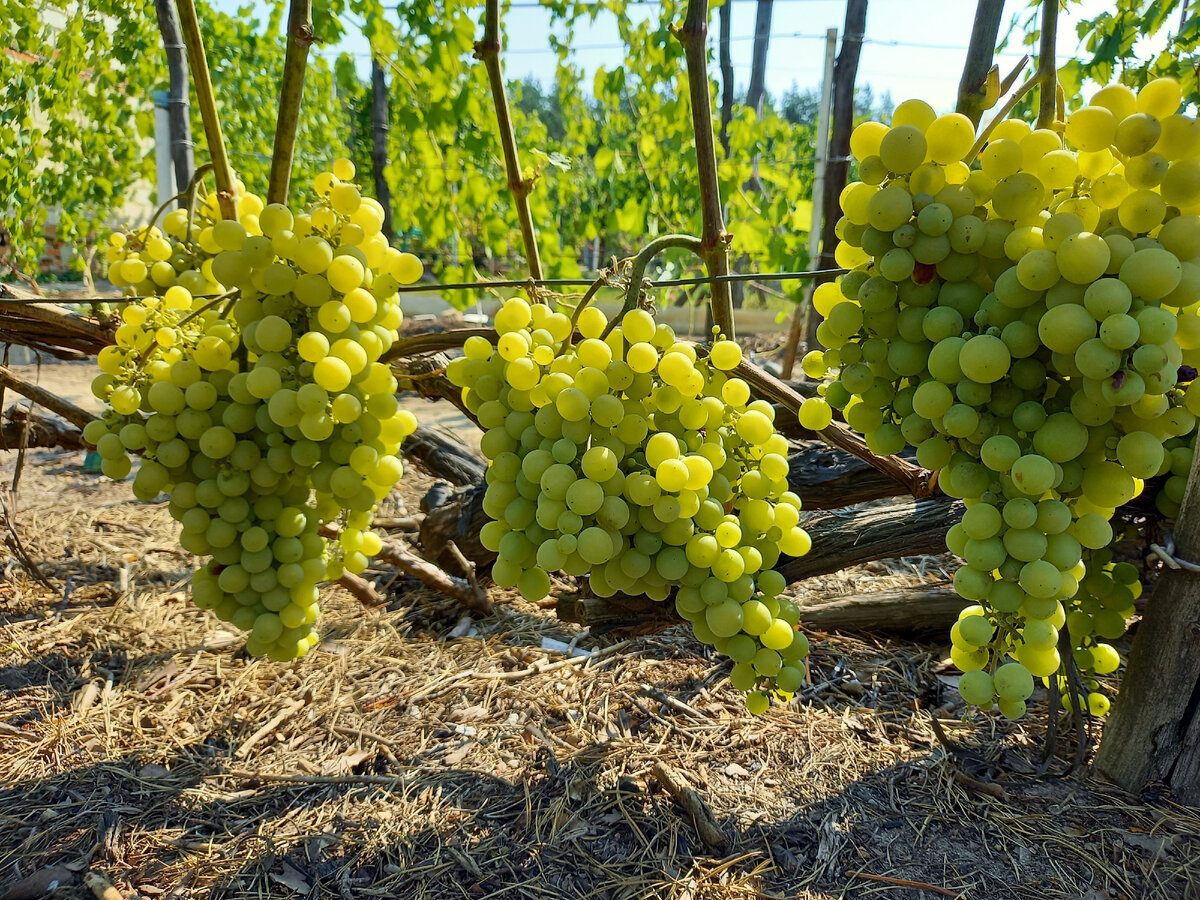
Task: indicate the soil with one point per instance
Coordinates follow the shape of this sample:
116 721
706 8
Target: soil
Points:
423 752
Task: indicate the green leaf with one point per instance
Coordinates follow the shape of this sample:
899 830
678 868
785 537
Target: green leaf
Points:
603 160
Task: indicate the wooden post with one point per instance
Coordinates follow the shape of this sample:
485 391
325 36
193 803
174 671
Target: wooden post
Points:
1153 734
379 133
758 62
725 16
207 101
844 75
803 315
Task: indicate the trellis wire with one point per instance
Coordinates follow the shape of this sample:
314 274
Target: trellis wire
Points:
492 285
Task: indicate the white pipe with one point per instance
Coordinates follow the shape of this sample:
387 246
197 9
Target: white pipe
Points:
814 236
162 148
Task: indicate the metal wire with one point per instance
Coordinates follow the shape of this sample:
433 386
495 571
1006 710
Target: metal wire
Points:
481 286
581 282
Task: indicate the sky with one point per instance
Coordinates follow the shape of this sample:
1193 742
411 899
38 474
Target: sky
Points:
913 48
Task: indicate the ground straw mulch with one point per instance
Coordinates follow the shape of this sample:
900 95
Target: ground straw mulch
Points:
418 753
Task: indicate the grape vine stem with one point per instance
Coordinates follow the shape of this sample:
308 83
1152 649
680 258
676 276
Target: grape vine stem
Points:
207 101
291 91
714 239
487 50
1001 115
1047 69
637 272
185 194
228 295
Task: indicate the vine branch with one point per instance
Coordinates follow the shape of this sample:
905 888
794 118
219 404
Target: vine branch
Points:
637 271
917 481
1001 114
487 51
1047 70
291 92
979 59
207 102
714 240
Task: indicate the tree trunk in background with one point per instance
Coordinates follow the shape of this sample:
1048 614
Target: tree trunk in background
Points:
758 65
177 98
1153 734
379 132
979 58
726 73
844 73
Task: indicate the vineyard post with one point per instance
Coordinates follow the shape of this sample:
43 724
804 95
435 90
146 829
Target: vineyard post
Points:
725 15
177 94
980 53
838 166
1047 68
291 92
379 135
758 64
714 240
487 51
207 101
802 313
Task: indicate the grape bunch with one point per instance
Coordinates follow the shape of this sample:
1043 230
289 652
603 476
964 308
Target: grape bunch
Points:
641 462
1027 320
265 414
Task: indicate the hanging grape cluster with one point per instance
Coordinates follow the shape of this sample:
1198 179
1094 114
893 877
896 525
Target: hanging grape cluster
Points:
1027 320
265 414
641 462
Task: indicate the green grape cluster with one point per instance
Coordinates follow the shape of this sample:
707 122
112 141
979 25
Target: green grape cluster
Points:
1027 320
1180 452
634 459
268 414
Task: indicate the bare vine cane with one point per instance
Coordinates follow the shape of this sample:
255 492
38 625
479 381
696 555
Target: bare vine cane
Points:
207 104
487 50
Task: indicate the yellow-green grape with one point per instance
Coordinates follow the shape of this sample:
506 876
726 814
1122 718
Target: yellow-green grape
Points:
623 469
217 388
976 687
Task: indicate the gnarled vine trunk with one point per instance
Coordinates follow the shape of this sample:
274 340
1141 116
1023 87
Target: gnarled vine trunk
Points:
1153 734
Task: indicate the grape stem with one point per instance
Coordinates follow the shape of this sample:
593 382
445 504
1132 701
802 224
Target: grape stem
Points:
1000 116
188 192
714 239
487 50
228 295
291 90
637 271
206 100
1047 70
605 280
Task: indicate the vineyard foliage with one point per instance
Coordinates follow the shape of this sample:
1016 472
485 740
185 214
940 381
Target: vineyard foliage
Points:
67 103
611 155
